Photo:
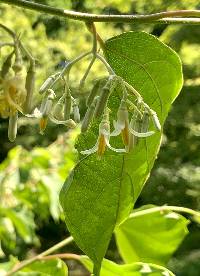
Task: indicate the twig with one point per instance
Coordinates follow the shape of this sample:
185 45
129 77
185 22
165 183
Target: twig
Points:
109 69
165 208
57 246
168 17
91 27
68 67
67 256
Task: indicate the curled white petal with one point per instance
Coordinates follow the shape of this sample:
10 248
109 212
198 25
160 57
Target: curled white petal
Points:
141 134
118 128
156 122
104 132
36 114
70 123
114 149
116 132
90 151
119 124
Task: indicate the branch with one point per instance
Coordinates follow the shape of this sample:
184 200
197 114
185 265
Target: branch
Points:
57 246
67 256
165 208
168 17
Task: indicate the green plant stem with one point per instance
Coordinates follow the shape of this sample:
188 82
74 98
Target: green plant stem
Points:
67 256
82 81
68 67
92 29
168 17
38 257
133 91
108 67
165 208
3 44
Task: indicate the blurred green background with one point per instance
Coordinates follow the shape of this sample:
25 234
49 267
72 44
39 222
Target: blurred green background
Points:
34 168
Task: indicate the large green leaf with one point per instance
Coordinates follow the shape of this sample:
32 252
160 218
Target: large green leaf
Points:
135 269
150 237
45 268
100 193
54 267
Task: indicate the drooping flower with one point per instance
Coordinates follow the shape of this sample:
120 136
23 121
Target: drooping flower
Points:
122 123
12 126
45 110
142 126
103 139
137 128
14 92
76 111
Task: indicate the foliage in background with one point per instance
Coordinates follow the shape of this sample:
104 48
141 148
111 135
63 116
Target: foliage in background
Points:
177 170
30 184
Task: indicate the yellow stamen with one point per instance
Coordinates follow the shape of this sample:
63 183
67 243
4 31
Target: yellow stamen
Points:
43 124
101 145
9 98
125 134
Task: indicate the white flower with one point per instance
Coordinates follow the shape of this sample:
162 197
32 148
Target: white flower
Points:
36 113
141 134
44 111
103 138
122 123
139 126
129 130
14 92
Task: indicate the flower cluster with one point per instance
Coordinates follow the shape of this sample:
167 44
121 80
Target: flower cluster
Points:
131 129
13 91
16 91
17 85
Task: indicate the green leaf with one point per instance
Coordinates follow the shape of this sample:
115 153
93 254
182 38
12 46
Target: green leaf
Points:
54 267
45 268
7 234
7 266
152 237
53 191
110 268
23 222
101 193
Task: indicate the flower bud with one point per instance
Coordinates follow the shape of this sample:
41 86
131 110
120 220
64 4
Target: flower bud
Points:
135 123
103 98
45 109
17 66
76 111
29 85
47 103
89 115
145 122
68 104
58 111
47 83
12 127
97 86
6 65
